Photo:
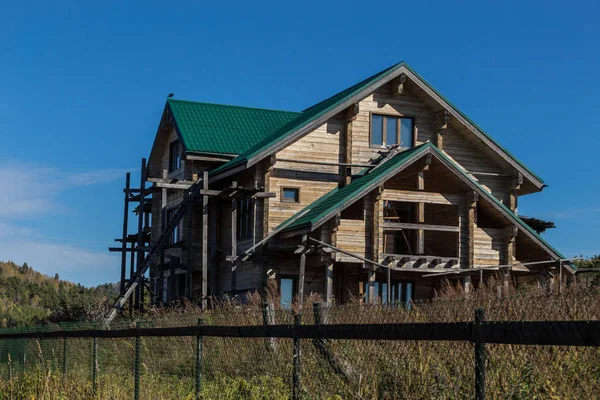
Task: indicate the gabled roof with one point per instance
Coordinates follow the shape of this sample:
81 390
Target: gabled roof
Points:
336 200
310 118
224 129
313 117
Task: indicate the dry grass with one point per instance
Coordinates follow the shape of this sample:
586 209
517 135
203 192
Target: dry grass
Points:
261 369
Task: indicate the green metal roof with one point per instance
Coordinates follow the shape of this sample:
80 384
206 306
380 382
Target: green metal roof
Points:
339 198
312 113
224 129
307 116
359 186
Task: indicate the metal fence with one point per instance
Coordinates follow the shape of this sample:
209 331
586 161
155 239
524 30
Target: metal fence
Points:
388 352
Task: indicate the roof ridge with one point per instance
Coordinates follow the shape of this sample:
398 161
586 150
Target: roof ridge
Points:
232 106
355 85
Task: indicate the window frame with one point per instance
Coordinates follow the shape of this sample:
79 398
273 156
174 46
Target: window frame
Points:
398 130
179 155
244 219
285 200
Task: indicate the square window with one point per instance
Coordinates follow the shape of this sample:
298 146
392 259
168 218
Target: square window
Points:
290 195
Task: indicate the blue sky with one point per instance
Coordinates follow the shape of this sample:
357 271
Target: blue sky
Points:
83 85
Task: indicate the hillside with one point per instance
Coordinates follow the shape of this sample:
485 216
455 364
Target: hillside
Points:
28 297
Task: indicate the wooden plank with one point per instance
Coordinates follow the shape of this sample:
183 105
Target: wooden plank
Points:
398 226
140 234
124 243
190 254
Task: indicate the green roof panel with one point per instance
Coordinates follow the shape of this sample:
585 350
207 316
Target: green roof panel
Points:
224 129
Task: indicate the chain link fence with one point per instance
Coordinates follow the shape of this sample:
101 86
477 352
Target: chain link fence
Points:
429 350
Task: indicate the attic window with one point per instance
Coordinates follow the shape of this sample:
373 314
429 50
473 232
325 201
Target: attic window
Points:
174 156
387 131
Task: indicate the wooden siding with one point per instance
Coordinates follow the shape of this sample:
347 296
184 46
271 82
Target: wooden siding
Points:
489 243
351 236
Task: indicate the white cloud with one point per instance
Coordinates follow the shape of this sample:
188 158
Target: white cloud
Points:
31 190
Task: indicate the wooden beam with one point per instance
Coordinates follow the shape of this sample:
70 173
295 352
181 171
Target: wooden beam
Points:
211 158
442 120
398 226
472 199
124 243
349 253
302 274
205 241
140 234
420 213
342 164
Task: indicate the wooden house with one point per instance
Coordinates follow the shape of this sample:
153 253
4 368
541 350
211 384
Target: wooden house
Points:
381 192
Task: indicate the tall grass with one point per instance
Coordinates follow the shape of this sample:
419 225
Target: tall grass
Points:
236 368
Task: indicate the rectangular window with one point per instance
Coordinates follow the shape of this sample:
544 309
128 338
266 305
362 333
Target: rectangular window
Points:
287 290
401 292
387 131
245 221
174 156
290 195
174 237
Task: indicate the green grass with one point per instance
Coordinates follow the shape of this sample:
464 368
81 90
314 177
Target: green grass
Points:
236 368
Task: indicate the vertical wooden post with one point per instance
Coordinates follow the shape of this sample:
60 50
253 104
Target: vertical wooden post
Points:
190 253
234 244
140 236
329 281
199 361
296 385
213 249
124 237
480 358
302 272
205 241
268 310
64 359
389 285
420 214
161 280
472 199
131 274
136 367
371 286
94 365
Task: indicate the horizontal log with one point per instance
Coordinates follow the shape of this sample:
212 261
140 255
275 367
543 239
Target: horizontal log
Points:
397 226
422 197
546 333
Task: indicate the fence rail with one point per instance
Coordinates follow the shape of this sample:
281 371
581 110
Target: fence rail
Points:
547 333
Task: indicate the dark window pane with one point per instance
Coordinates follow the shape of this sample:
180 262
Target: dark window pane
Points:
287 292
377 130
291 194
174 156
406 132
391 133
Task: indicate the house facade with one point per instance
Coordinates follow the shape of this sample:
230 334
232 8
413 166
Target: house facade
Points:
381 192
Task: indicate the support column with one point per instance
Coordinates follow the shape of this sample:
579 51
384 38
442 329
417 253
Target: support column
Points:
346 143
124 237
205 241
139 294
234 244
302 272
471 199
189 270
420 215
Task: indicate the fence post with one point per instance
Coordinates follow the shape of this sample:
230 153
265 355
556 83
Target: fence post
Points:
199 361
268 312
136 366
64 359
480 357
94 364
296 366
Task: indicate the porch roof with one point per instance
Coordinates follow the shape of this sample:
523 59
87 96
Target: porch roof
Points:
324 208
